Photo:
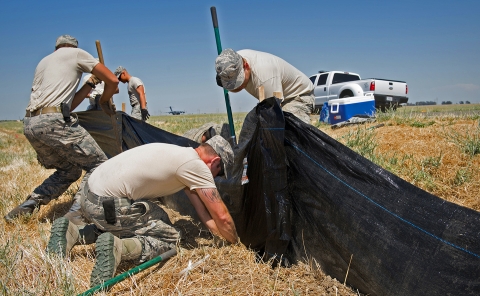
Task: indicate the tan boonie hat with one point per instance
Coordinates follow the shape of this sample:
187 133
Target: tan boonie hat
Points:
224 150
229 67
66 39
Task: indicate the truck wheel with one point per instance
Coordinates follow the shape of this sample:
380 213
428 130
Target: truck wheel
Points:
346 94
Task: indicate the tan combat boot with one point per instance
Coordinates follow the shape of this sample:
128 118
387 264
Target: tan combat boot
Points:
110 252
132 248
63 237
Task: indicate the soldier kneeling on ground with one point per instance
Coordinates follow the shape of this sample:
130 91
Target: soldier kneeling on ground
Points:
117 202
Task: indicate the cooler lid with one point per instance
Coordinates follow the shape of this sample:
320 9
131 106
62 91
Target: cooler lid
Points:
351 100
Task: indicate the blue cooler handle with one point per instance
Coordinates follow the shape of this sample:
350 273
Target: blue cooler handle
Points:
336 105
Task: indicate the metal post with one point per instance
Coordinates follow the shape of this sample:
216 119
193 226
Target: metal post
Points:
213 10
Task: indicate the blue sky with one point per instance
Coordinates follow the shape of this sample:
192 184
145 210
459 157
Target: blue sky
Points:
432 45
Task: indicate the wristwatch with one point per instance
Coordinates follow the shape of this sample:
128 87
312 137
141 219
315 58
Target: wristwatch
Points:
90 84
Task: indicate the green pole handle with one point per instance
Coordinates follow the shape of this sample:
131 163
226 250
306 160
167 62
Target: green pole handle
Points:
213 10
129 273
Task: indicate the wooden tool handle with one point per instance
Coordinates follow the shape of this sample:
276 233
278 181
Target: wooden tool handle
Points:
99 51
100 58
261 93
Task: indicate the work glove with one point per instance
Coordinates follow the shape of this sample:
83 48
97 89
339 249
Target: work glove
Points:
94 79
145 114
108 108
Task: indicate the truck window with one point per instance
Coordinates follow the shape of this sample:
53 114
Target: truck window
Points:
322 80
342 77
312 79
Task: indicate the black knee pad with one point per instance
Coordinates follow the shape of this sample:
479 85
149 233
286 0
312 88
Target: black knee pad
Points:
89 234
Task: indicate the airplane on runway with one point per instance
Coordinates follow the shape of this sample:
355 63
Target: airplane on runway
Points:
175 112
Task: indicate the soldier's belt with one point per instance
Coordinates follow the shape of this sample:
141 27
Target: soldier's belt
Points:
43 111
95 199
99 200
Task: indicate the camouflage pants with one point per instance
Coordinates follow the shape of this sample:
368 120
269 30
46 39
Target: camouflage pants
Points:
68 148
136 112
141 219
300 106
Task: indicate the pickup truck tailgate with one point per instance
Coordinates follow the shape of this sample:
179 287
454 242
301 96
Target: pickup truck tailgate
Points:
390 87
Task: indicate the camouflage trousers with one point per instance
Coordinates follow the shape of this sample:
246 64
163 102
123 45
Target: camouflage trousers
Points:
66 147
140 219
300 106
136 111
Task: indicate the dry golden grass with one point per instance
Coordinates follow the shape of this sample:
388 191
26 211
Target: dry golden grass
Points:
421 153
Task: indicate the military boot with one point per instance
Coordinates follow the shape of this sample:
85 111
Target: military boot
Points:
132 249
63 237
109 255
27 207
110 252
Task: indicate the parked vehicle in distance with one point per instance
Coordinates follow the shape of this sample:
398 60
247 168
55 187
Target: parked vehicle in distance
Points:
330 85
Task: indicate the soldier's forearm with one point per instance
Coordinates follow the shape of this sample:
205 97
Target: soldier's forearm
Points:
228 231
80 96
108 92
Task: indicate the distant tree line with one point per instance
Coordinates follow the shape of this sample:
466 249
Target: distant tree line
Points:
425 103
450 102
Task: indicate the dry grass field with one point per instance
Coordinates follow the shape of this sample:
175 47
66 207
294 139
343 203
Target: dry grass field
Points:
438 151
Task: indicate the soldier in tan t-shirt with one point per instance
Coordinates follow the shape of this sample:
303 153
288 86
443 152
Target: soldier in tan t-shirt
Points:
136 93
255 70
116 199
60 142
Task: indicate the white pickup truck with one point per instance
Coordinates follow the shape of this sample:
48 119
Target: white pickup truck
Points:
331 85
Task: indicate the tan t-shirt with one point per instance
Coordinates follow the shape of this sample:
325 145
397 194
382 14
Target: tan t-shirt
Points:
57 77
151 171
133 93
275 74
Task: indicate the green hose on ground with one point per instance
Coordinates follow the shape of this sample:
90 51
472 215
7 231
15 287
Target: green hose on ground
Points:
129 273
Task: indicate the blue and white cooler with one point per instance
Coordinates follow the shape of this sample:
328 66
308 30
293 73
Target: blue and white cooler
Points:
344 109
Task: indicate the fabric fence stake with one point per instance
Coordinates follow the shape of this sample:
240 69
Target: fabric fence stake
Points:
213 10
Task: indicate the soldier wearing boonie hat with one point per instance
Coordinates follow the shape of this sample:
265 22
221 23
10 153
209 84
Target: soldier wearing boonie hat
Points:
249 69
136 93
67 147
229 66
